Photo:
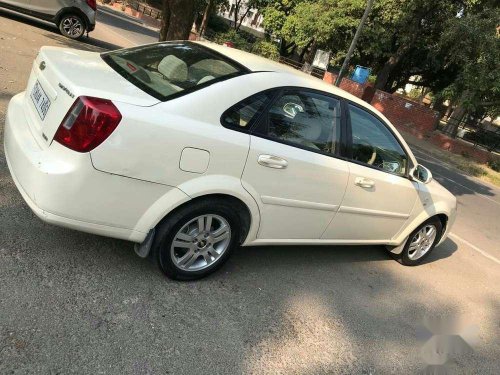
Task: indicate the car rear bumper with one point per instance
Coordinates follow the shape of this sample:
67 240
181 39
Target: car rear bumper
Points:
63 188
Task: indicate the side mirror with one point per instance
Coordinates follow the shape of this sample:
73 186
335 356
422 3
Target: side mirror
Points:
421 174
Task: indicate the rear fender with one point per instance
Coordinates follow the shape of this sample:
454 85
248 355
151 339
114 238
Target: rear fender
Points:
226 185
199 187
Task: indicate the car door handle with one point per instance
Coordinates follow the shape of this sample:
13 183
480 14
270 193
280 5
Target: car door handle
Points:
364 182
272 161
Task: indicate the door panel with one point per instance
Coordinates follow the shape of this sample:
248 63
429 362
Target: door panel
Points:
372 213
49 7
297 201
291 169
379 198
16 3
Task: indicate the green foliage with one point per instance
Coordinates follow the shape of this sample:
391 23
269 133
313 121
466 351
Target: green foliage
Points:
495 165
472 44
266 49
235 37
218 25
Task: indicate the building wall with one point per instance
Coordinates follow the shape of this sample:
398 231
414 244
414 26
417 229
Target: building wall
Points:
253 20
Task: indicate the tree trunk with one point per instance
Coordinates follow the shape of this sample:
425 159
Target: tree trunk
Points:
384 74
177 19
236 13
206 15
241 19
455 120
305 50
449 110
165 20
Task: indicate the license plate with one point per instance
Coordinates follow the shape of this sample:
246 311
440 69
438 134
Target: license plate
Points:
40 100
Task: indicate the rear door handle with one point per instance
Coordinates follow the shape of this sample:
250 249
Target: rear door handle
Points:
364 182
272 161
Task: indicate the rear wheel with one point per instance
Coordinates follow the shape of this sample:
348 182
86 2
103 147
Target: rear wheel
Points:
72 26
197 240
421 242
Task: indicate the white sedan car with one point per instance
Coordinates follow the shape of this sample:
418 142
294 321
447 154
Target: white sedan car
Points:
191 149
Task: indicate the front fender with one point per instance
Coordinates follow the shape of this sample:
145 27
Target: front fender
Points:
438 208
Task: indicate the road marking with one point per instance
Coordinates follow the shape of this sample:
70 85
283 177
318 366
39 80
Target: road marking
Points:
482 252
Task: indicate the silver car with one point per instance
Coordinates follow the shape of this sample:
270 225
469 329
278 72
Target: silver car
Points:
73 17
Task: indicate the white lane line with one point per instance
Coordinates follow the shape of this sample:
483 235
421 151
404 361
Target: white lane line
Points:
482 252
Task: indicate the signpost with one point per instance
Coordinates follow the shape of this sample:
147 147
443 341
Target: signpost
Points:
321 59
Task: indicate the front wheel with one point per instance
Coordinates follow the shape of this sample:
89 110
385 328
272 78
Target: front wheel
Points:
421 242
72 26
196 240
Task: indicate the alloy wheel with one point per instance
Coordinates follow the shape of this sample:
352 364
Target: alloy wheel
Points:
422 242
72 26
200 242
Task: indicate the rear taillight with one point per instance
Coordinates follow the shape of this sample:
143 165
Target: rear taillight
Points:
88 123
92 4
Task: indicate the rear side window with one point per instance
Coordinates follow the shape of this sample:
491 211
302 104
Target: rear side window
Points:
243 115
305 119
373 144
167 70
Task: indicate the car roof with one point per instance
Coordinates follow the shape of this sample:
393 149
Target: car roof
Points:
257 63
260 64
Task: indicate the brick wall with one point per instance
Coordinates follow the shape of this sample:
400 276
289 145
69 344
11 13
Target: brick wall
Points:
405 114
352 87
459 147
412 117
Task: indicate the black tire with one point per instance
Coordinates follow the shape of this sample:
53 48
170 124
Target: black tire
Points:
406 258
167 230
72 26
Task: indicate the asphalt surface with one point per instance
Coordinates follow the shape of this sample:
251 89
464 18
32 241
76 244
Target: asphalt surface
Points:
77 303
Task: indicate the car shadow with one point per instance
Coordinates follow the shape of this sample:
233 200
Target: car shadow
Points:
458 183
307 258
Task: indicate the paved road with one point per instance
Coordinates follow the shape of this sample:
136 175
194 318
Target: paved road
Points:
478 220
76 303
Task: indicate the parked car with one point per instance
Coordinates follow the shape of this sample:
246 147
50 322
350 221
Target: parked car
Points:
73 17
190 149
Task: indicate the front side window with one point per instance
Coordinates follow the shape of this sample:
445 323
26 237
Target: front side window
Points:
167 69
303 118
373 144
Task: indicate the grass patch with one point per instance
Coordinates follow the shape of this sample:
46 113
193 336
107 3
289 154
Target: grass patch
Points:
462 162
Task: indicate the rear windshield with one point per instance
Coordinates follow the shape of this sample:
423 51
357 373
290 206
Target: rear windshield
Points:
168 70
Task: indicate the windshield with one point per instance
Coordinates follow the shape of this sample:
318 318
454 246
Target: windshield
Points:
168 70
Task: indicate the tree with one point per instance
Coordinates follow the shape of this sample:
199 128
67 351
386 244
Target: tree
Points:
243 7
304 25
177 19
401 37
473 43
206 15
209 8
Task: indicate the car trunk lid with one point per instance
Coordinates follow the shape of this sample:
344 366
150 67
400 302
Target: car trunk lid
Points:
60 75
